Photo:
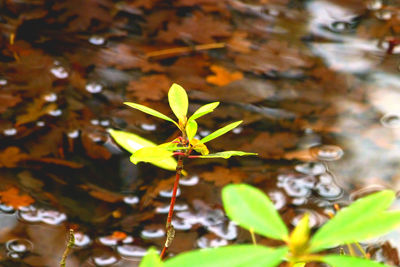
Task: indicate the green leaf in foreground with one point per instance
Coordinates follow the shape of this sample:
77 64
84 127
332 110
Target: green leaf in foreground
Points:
191 129
132 143
228 154
203 110
363 219
220 132
178 101
232 256
155 155
151 259
252 209
150 111
347 261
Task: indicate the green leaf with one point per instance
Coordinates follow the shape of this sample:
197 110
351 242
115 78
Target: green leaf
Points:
232 256
151 259
191 129
228 154
252 209
299 264
203 110
132 143
220 132
363 219
150 111
154 155
178 101
348 261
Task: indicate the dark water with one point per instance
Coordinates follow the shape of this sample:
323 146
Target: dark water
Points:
316 83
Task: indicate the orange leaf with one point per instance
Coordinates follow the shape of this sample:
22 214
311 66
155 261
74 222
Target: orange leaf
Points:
222 76
11 197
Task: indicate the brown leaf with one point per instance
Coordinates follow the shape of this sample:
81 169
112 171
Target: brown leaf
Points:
223 76
221 176
81 14
271 145
35 110
11 197
8 100
10 157
94 150
154 87
198 27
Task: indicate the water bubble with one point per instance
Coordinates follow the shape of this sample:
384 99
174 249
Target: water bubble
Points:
131 251
55 112
94 87
97 40
40 123
326 152
50 97
105 123
152 233
10 131
94 122
278 198
181 225
340 26
177 207
204 242
13 255
19 245
104 260
148 127
190 181
59 72
237 130
311 168
30 215
330 191
81 240
374 4
131 200
6 209
108 240
383 14
168 193
52 217
296 186
3 82
204 133
391 120
228 232
73 134
95 137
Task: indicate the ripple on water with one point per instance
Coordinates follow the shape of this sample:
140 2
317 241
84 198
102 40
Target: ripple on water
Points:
168 193
105 258
18 247
152 233
296 185
94 87
311 168
391 120
51 217
189 181
131 251
326 152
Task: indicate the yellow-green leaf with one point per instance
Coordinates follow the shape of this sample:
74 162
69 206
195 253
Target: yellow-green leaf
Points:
132 143
220 132
199 146
151 154
298 240
228 154
178 101
252 209
151 259
203 110
191 129
348 261
150 111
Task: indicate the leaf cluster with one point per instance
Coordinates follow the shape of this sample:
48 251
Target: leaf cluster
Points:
162 155
249 207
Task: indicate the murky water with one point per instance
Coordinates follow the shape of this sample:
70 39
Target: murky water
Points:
316 82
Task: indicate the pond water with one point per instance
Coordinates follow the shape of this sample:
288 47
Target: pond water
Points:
316 82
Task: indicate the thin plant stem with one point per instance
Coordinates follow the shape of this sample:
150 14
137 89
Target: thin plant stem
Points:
351 250
253 237
170 229
181 50
70 244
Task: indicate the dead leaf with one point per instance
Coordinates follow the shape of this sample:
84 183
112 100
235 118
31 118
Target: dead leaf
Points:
11 156
8 100
222 176
11 197
223 76
35 110
153 87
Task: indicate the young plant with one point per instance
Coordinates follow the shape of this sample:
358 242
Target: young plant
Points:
183 146
249 207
